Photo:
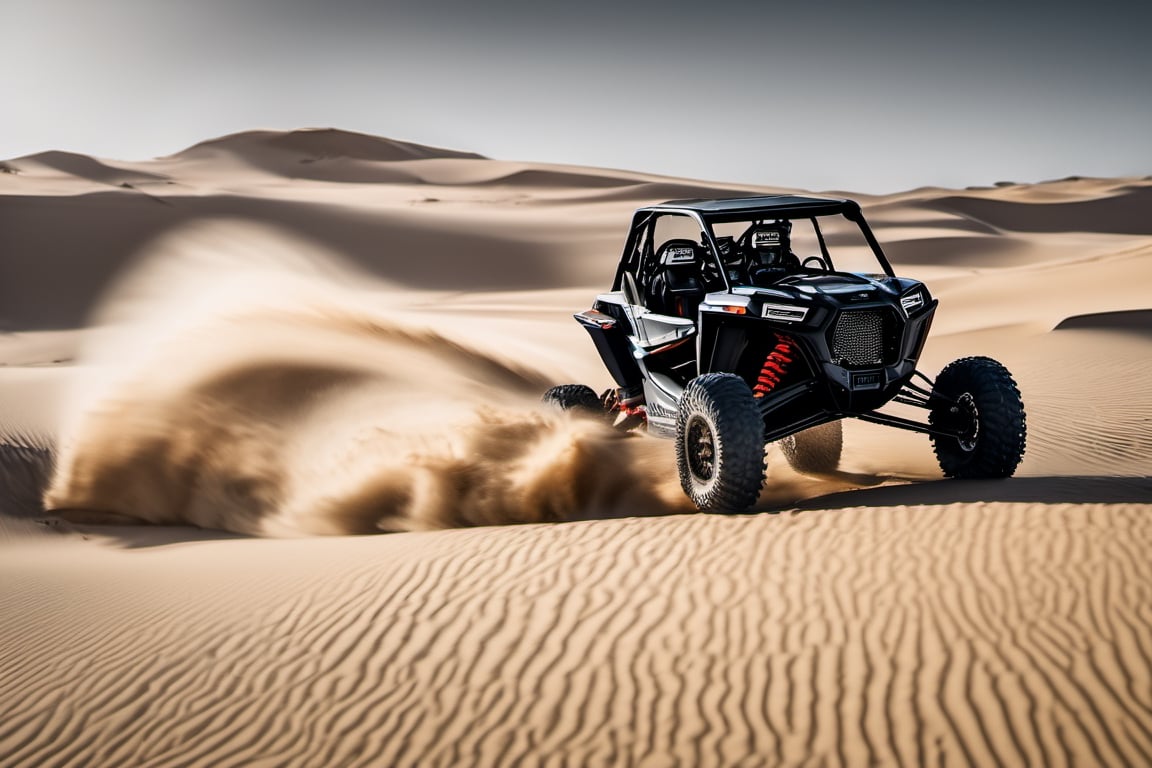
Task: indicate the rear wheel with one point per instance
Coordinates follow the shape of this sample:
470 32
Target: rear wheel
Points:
816 450
720 443
574 397
977 398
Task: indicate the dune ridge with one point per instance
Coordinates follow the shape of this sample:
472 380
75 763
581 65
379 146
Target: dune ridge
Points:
82 166
322 143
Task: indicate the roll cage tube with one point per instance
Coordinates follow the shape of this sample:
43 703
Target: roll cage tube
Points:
642 221
639 221
823 245
853 214
856 218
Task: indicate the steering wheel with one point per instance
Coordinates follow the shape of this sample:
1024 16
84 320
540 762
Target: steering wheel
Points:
820 263
710 274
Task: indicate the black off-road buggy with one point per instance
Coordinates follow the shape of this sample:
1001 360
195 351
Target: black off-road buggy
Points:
719 336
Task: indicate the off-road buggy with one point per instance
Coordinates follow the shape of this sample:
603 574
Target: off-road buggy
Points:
719 336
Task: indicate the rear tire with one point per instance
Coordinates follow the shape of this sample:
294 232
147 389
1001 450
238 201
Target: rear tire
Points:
816 450
720 444
978 397
574 397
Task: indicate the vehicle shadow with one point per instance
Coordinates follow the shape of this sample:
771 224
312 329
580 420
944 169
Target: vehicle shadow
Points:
127 534
1051 489
25 471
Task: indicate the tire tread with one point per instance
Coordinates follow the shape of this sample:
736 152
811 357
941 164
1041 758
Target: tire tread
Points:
1003 424
579 398
727 402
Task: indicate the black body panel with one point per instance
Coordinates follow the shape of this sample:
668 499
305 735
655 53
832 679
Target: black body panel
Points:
612 343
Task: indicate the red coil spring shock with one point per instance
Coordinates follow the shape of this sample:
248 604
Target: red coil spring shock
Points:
775 366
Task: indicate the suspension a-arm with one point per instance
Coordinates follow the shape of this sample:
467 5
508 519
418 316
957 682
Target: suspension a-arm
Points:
918 396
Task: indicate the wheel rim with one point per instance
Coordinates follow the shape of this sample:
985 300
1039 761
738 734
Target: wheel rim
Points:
968 417
700 446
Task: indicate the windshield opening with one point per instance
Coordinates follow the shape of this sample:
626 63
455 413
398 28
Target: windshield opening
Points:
792 244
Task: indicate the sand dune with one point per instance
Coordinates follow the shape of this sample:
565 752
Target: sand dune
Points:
71 164
310 145
275 335
995 634
1120 212
1139 320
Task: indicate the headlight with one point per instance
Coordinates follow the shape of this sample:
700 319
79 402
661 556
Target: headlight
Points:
784 313
912 300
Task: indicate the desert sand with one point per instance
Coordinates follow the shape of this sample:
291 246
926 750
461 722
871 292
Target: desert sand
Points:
217 367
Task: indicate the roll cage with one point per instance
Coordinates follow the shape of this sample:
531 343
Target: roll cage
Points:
639 246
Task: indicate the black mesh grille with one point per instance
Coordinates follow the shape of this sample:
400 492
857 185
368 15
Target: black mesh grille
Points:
859 337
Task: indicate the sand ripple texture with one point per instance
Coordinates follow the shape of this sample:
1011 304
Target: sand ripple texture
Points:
1011 634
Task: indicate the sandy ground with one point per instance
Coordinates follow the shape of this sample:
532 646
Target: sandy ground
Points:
243 352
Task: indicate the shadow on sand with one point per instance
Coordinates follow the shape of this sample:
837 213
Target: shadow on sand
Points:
25 469
1053 489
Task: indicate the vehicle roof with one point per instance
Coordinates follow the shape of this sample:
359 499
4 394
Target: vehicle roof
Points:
779 206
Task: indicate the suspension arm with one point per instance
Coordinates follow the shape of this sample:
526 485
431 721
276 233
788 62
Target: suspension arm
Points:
899 422
912 394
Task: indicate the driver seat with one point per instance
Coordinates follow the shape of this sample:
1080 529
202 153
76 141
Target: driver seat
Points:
677 288
771 251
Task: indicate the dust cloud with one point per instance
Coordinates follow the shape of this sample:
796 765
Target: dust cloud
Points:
250 383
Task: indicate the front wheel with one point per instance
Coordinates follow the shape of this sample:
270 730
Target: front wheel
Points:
977 399
720 443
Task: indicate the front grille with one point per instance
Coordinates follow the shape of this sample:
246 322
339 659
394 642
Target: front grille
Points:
858 338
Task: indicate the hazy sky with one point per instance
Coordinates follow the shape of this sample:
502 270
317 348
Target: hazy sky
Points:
862 95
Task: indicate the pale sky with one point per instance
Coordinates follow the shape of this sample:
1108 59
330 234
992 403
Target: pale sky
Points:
860 96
